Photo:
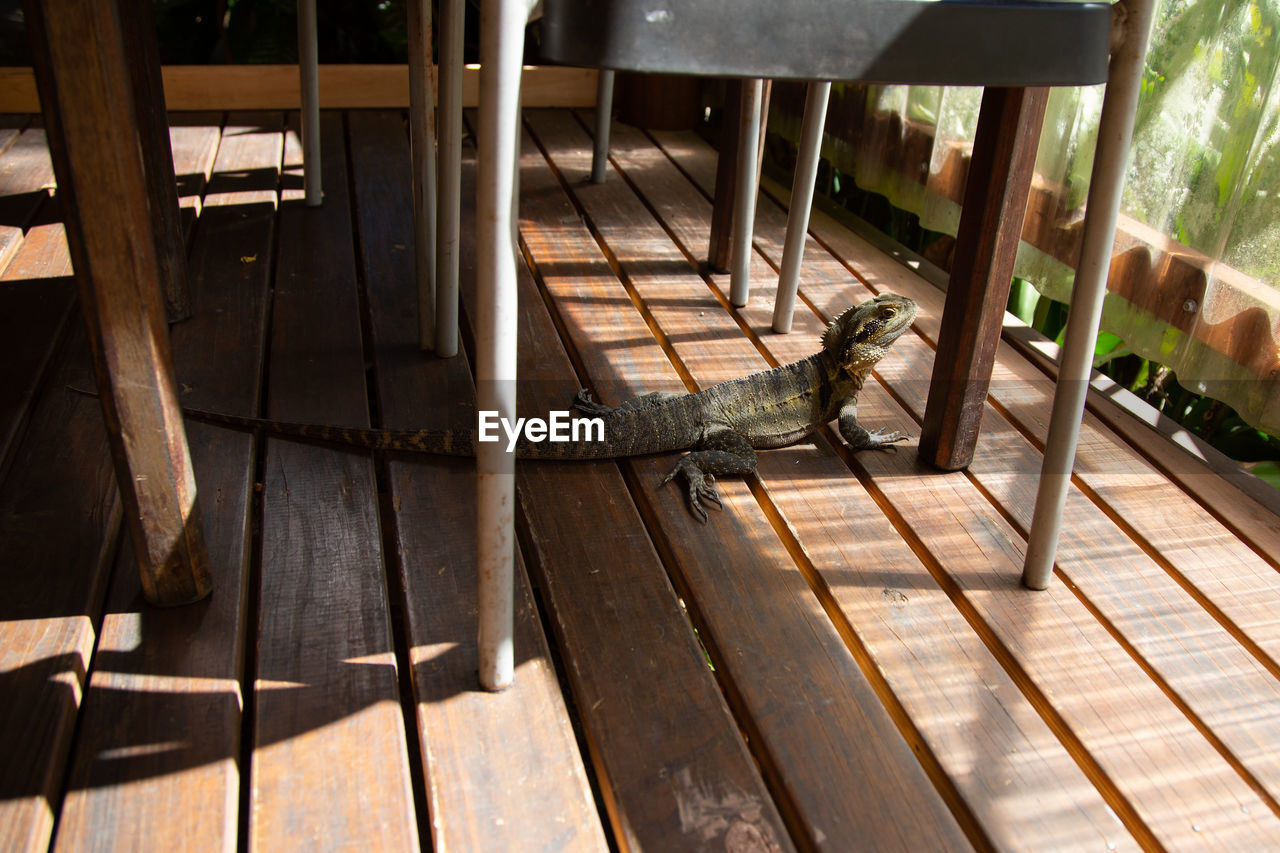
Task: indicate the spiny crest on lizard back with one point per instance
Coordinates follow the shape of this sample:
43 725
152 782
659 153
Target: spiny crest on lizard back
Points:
862 333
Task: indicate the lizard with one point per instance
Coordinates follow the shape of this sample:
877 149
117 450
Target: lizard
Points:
722 426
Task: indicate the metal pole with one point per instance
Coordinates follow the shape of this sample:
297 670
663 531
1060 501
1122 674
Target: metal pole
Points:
309 80
604 114
744 202
815 116
449 184
501 52
1115 131
422 138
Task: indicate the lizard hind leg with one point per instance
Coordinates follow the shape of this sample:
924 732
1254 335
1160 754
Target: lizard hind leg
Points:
721 452
584 403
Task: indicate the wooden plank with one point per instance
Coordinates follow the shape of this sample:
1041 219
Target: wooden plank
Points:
838 524
26 178
1000 171
87 94
1175 533
755 606
1187 650
670 757
275 87
10 128
59 520
36 296
330 764
194 139
432 501
876 611
157 761
10 240
1198 488
1207 477
720 242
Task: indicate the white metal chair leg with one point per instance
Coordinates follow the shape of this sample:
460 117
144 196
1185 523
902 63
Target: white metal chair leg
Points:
422 137
810 152
449 183
744 201
1115 131
604 115
502 25
309 74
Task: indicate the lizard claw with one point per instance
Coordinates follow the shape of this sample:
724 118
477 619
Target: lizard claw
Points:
882 439
583 402
701 488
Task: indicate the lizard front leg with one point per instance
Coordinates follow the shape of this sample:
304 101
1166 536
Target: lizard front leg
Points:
859 437
723 451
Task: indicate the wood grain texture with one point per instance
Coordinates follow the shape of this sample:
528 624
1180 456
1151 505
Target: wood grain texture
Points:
1175 551
720 243
158 754
330 764
275 87
738 577
995 199
139 30
884 593
36 297
87 93
432 502
194 139
26 178
672 762
59 520
1187 642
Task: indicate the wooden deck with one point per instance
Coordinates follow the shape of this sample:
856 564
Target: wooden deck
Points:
841 659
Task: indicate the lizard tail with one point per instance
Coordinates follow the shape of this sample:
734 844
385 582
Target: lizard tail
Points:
440 442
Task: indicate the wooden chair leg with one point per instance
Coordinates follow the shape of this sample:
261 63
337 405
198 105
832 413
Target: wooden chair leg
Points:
995 201
719 250
87 95
138 25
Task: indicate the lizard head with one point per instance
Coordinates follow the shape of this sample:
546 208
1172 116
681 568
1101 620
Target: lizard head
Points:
859 337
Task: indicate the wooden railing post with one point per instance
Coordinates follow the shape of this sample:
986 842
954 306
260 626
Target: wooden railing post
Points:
995 201
720 246
88 99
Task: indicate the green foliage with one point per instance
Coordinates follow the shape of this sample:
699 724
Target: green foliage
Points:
1210 419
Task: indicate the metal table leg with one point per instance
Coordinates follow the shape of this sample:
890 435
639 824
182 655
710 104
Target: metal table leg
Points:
1115 131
